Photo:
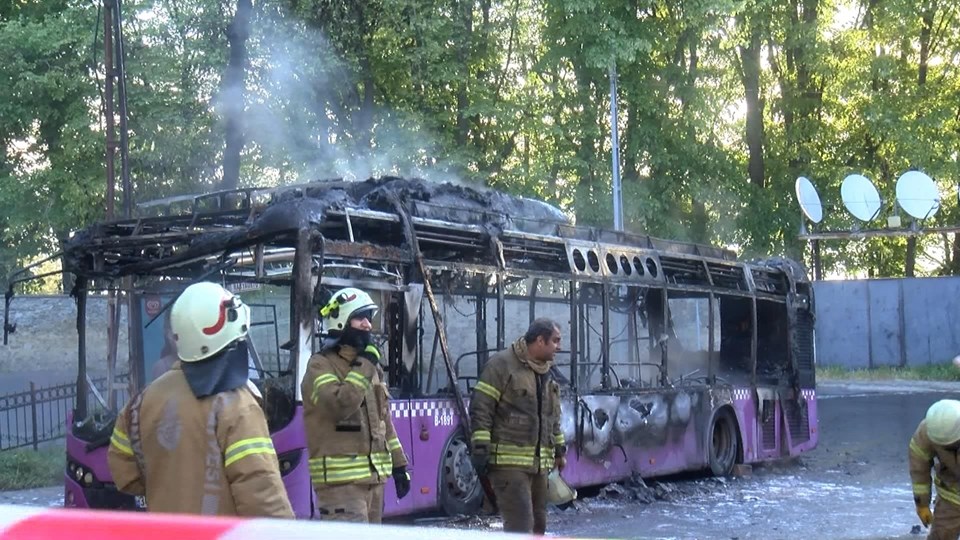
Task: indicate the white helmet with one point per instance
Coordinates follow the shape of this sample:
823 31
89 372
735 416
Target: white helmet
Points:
344 305
943 422
205 319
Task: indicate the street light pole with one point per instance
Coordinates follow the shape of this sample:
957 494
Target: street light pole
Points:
615 150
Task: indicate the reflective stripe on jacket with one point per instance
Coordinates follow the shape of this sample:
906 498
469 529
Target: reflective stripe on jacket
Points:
346 410
210 456
515 413
924 455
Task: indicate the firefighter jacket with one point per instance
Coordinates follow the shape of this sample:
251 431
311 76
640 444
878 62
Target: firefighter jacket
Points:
925 455
210 456
346 411
515 413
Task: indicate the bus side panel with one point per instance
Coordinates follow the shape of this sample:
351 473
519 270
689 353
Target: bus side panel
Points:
683 451
584 470
651 433
431 423
745 407
290 443
400 414
801 423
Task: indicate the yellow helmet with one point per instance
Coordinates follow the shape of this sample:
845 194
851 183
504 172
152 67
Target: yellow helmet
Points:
943 422
345 304
205 319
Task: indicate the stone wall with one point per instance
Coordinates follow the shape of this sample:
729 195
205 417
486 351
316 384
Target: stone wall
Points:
46 335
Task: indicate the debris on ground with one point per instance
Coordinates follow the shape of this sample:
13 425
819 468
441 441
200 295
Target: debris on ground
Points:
636 489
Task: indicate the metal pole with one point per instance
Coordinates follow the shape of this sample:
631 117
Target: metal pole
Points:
108 103
615 150
81 404
112 309
33 412
817 263
122 102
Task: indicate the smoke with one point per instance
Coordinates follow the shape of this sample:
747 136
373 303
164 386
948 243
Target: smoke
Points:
302 119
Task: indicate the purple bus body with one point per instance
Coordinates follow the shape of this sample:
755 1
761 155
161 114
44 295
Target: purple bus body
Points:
425 426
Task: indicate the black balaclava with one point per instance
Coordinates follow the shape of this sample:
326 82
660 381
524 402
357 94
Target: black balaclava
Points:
358 339
224 371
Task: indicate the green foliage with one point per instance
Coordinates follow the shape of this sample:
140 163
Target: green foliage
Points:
25 469
932 372
513 94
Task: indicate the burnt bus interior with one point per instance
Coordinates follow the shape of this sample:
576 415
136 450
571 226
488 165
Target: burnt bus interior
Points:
707 338
636 313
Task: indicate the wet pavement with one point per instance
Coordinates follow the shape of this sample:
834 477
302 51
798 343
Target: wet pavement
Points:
853 486
47 496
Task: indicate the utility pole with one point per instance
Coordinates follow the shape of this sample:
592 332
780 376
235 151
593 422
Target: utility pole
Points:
113 60
113 312
121 71
108 104
615 150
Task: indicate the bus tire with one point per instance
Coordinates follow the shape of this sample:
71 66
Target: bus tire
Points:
460 490
723 442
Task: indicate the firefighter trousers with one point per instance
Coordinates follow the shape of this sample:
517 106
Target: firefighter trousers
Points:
361 503
522 498
946 521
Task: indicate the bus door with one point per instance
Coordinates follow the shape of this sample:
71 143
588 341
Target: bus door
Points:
158 352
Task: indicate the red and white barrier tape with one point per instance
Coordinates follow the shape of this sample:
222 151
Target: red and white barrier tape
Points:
26 523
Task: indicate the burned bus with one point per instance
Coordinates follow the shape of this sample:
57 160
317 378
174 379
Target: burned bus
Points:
676 357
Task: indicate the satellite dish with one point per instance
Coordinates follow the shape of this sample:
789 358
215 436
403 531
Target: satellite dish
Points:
809 199
917 194
860 197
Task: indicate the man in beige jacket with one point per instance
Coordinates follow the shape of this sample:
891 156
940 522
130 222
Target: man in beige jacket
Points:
195 440
515 417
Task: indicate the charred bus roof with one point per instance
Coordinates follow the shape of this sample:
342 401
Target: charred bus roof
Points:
454 227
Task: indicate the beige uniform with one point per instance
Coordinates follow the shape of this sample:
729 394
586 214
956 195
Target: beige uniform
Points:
210 456
353 444
515 417
924 456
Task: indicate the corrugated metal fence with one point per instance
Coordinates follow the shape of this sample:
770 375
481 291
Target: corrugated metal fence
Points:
887 322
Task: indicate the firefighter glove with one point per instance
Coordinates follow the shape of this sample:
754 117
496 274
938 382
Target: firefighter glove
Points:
480 459
925 515
401 479
559 462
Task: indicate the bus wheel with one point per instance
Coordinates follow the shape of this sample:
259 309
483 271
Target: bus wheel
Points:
460 491
724 444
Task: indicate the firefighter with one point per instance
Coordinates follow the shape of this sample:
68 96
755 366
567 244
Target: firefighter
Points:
353 446
515 415
195 440
935 445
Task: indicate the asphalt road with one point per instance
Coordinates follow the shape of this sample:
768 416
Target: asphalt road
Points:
853 486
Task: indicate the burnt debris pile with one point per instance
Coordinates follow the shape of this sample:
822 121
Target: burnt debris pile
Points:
442 202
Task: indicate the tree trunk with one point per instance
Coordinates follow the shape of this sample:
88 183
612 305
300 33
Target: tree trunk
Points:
955 259
750 76
925 31
463 53
911 256
233 92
